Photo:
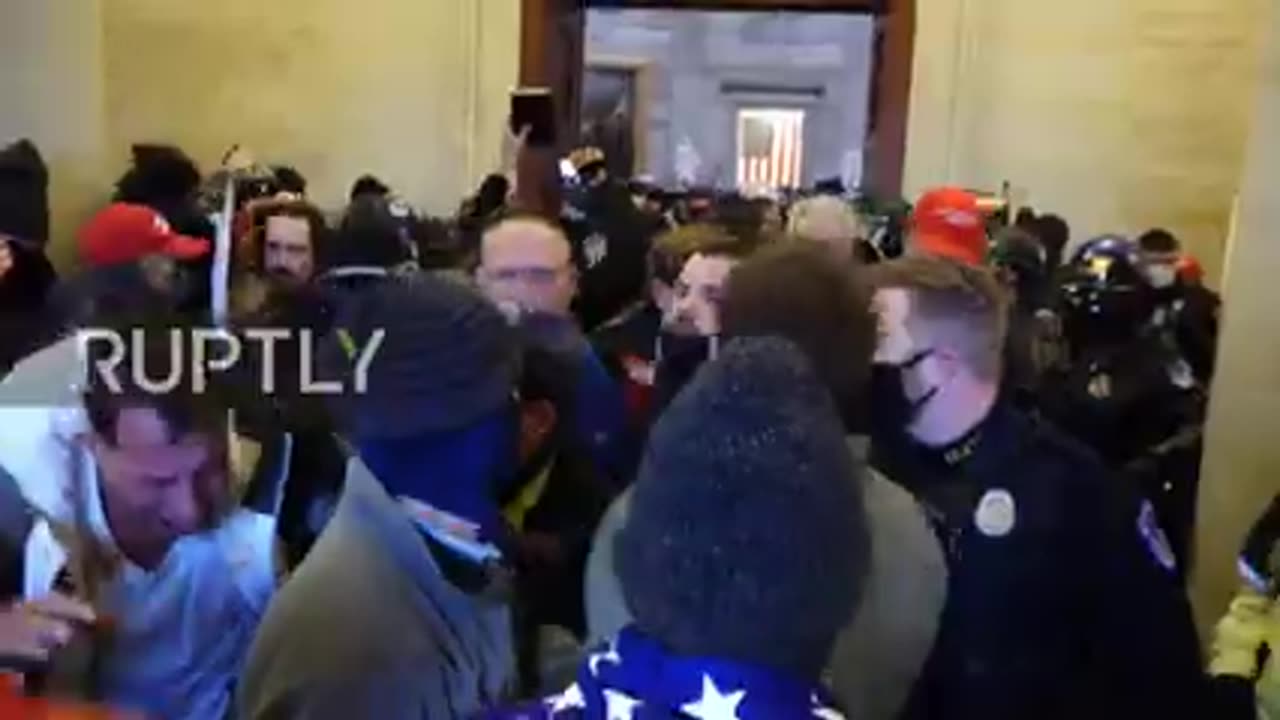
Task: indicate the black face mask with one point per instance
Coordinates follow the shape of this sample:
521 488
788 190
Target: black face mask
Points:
891 409
679 357
1167 295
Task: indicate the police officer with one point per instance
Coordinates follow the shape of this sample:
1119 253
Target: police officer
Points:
1061 600
610 240
1186 311
1125 391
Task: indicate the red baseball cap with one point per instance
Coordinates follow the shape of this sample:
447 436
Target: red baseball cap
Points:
949 222
122 232
1190 270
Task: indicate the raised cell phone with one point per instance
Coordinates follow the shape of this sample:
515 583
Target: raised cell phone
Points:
534 108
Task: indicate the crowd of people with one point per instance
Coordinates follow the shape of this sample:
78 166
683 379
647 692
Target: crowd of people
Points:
667 455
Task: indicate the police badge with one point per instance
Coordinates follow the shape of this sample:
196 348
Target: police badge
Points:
1100 386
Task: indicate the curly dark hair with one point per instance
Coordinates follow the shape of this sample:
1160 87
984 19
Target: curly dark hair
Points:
321 240
159 174
795 292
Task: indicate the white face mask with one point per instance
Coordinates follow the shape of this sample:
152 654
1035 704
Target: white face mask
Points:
1161 276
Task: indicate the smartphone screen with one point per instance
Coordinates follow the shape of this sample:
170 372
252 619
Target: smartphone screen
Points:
534 108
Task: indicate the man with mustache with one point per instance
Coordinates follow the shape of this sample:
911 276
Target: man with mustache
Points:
292 236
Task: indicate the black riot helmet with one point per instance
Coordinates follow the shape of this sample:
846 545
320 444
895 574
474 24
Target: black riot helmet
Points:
1022 264
1104 297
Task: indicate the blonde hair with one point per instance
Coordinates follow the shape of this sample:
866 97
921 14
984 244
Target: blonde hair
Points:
825 218
673 248
955 305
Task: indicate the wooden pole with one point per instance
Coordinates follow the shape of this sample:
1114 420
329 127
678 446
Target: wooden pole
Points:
551 41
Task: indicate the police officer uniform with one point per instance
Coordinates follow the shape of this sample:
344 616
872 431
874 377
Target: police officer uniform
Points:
1120 401
1061 599
1188 317
1128 392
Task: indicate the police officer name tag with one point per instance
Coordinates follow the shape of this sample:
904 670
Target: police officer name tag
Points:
996 514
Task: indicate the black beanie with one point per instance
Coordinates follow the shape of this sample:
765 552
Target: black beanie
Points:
447 359
370 235
24 193
746 538
161 176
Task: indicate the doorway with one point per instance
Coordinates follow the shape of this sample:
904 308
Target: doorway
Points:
754 101
611 113
555 52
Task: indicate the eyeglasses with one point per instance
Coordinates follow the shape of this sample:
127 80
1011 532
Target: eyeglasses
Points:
531 275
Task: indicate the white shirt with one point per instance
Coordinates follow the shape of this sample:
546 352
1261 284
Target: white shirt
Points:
183 629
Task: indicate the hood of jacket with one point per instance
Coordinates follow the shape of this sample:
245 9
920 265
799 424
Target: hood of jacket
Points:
24 194
44 422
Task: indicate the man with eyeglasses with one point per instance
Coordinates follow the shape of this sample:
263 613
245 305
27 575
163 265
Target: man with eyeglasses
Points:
526 268
526 262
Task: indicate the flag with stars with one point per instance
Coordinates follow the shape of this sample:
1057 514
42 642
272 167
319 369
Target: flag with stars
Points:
633 678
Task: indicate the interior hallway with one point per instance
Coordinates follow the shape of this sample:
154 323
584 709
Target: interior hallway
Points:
1118 115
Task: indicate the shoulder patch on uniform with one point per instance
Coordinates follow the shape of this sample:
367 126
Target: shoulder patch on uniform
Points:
1153 536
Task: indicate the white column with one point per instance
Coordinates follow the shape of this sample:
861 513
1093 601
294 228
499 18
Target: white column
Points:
1242 454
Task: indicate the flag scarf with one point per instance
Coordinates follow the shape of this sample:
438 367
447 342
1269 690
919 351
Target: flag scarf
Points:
633 678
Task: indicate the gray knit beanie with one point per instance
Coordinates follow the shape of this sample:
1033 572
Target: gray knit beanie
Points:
447 358
746 538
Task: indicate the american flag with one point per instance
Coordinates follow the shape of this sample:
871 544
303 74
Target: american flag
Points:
770 148
631 678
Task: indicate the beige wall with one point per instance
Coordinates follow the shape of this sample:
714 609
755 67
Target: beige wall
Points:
412 90
1118 115
51 91
1242 455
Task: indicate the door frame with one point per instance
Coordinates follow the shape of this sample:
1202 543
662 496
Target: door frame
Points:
641 70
